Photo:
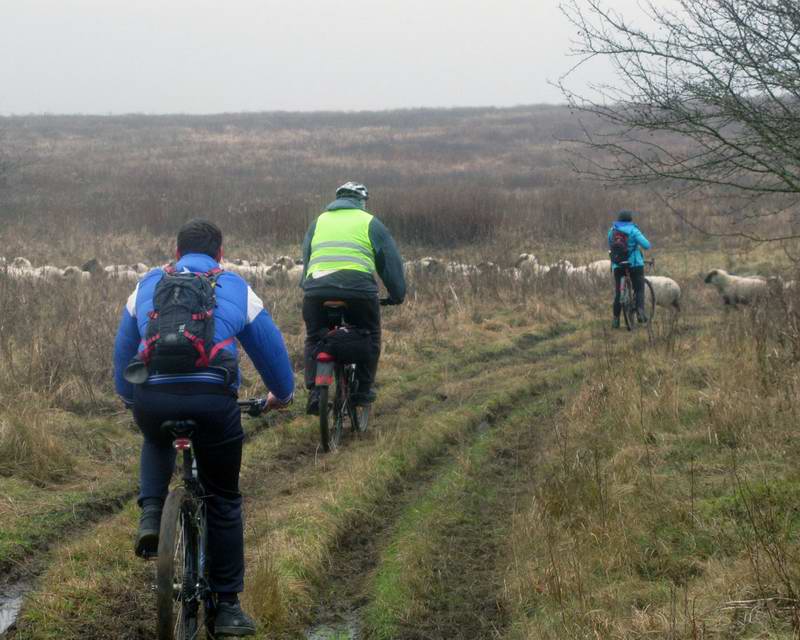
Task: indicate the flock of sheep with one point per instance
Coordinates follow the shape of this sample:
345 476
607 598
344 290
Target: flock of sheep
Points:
21 268
733 289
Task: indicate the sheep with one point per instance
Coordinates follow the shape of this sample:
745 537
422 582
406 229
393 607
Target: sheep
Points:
21 263
666 290
285 261
528 263
48 272
737 289
599 268
426 265
121 273
487 267
75 273
459 269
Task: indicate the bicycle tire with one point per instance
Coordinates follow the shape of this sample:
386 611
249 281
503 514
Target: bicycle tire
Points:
352 409
324 418
339 407
177 564
628 303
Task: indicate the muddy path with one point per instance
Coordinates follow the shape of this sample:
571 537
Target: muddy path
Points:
279 473
464 599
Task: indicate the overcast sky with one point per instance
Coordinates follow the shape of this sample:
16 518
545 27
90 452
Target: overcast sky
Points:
203 56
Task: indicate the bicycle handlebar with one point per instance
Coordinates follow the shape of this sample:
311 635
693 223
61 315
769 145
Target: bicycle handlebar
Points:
253 406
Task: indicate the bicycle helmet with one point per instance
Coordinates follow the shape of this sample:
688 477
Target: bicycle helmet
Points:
353 190
625 216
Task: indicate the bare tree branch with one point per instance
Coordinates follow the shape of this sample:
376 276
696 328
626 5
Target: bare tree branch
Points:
707 94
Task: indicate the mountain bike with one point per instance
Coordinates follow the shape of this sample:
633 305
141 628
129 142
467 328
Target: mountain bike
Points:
183 595
337 383
627 298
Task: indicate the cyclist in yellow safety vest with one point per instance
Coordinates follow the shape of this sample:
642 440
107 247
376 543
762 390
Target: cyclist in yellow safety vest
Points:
343 250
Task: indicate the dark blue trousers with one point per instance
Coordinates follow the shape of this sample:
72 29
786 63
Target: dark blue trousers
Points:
217 445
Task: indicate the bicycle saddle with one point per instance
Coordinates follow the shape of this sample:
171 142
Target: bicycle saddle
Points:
335 304
179 428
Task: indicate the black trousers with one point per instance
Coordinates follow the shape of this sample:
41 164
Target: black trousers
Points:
361 312
637 277
217 445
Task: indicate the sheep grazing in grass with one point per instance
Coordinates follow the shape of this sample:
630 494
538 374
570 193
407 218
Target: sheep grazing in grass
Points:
285 261
599 268
21 263
737 289
48 272
75 273
666 290
529 263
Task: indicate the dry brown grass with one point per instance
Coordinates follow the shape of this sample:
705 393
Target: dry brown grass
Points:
668 505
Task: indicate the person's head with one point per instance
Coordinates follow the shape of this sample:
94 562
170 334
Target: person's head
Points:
625 216
354 190
200 236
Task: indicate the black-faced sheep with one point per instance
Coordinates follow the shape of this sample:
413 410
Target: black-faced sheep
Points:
737 289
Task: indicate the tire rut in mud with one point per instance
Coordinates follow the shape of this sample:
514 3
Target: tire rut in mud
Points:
474 556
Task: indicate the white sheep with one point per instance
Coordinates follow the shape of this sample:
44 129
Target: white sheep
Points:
666 290
737 289
48 272
126 275
460 269
599 268
529 263
21 263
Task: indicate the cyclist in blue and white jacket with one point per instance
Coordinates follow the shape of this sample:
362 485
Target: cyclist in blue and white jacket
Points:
207 398
635 241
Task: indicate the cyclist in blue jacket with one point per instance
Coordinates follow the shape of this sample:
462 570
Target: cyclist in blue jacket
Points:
625 243
208 397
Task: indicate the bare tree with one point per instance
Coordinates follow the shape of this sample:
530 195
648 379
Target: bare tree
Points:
707 94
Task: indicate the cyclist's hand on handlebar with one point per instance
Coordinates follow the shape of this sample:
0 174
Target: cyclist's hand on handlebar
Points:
274 403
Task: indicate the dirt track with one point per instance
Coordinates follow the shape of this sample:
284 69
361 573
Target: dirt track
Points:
283 471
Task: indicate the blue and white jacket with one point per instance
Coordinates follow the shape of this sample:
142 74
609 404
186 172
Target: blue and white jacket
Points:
240 313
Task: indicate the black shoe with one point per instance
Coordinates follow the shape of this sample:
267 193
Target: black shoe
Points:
230 620
147 535
312 404
615 323
363 398
641 316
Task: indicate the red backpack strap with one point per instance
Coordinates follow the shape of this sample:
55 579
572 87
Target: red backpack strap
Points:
219 347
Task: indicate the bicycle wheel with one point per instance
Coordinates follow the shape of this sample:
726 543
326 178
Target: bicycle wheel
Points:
359 415
325 418
628 305
339 408
330 413
176 572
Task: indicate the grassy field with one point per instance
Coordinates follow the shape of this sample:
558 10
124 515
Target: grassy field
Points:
529 473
